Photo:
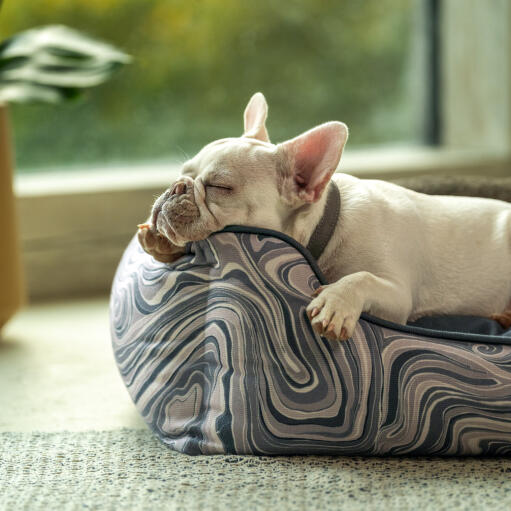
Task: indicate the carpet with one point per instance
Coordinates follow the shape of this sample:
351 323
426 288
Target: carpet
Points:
130 469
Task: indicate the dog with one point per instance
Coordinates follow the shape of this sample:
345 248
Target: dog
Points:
394 253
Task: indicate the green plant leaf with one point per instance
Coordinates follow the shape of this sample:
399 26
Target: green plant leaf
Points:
54 63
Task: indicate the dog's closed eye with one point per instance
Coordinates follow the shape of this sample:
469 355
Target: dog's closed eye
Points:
219 187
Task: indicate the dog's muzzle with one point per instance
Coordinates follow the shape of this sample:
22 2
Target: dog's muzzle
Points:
175 211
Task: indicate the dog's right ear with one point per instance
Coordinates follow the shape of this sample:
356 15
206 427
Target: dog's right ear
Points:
255 118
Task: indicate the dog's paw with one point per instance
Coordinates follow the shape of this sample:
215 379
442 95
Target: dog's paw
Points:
157 245
332 314
504 318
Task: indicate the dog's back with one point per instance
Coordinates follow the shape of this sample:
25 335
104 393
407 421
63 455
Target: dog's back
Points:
453 252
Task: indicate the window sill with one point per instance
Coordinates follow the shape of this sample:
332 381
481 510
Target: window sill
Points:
390 163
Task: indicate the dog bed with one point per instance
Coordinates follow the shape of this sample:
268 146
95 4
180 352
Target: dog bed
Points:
219 356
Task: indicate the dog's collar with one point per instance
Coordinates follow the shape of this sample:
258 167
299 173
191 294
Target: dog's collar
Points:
325 228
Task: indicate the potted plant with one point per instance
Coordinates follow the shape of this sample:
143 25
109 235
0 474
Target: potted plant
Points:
47 64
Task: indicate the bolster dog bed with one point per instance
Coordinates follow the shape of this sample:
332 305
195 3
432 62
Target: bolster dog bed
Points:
219 356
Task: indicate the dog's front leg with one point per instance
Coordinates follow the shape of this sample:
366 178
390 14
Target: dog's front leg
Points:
336 308
157 245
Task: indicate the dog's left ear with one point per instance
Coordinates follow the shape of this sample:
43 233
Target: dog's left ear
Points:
312 158
255 118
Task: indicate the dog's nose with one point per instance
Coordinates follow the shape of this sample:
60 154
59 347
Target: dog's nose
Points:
178 188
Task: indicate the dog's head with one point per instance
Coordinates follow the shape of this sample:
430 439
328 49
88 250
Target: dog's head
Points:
248 180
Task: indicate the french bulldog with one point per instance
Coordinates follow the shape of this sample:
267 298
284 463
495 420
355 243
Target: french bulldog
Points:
394 253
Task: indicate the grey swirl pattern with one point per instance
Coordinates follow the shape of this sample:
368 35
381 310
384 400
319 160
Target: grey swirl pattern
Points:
218 356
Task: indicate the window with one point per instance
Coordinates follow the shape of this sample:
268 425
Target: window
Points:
198 62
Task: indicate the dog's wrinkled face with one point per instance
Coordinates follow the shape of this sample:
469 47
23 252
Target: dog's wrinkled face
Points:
248 180
230 181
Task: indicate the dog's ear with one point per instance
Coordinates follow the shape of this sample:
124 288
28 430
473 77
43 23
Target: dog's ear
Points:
312 158
255 118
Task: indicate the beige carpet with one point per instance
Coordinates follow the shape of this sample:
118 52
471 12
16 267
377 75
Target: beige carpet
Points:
130 469
71 439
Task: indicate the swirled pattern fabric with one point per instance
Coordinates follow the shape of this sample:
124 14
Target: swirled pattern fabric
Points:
218 356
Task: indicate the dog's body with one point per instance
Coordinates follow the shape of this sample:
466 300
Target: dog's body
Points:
394 253
445 255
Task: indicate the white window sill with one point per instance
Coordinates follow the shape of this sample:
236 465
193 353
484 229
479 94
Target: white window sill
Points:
389 163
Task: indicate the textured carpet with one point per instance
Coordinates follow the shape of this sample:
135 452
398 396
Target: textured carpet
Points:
130 469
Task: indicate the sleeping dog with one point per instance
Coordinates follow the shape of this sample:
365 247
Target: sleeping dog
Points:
394 253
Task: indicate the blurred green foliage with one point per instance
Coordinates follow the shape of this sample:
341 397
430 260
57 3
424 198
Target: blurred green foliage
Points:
197 62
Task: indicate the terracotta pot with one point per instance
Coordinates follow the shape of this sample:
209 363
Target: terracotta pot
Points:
12 289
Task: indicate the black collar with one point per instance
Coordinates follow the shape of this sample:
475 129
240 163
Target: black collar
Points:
326 226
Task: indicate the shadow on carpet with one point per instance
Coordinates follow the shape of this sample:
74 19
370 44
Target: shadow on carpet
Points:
130 469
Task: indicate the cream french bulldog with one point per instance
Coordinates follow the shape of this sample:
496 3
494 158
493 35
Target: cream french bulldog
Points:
394 253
